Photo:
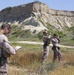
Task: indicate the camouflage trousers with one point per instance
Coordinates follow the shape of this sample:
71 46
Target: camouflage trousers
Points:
45 53
57 53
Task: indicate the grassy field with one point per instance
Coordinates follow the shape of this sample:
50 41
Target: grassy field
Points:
28 61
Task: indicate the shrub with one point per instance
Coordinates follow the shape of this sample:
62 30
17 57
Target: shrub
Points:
59 33
39 35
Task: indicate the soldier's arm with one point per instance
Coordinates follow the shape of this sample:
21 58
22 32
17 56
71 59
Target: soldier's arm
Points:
8 48
53 40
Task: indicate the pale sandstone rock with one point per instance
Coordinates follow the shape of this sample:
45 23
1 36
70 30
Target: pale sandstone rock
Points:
36 15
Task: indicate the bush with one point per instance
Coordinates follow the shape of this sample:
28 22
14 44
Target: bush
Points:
59 33
39 35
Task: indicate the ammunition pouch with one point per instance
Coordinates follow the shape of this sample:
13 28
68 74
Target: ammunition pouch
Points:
2 61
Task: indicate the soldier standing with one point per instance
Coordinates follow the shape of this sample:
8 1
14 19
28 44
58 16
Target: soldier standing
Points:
46 41
56 49
5 49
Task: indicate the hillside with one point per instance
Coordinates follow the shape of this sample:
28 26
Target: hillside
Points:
37 16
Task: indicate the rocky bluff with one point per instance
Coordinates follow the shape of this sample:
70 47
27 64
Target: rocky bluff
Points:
37 16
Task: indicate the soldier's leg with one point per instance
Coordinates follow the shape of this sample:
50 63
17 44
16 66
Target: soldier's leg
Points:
46 53
55 54
59 55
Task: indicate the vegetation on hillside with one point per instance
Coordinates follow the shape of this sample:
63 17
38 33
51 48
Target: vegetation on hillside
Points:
18 33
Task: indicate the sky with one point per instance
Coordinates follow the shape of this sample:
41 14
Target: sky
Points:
54 4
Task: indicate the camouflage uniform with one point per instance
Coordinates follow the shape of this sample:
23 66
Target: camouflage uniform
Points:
56 49
46 41
5 51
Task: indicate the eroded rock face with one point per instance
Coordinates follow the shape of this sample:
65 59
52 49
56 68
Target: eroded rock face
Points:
37 14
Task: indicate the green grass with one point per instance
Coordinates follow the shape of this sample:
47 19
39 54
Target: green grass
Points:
29 46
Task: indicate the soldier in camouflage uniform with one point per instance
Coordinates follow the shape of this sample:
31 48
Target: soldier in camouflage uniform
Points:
5 49
56 49
46 41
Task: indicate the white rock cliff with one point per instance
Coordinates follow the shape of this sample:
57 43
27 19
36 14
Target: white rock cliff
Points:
37 16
